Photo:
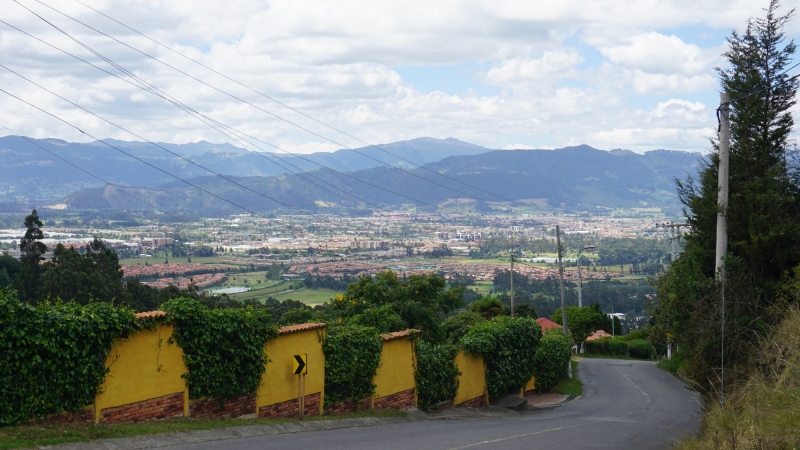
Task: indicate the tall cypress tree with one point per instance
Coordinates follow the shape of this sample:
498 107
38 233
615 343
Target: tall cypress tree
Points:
31 250
763 214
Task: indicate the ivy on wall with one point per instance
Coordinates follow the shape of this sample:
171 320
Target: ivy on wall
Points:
223 348
52 356
508 345
436 374
352 357
552 356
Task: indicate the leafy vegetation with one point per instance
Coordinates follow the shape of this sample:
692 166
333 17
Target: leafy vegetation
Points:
552 355
508 345
54 354
436 374
223 348
352 356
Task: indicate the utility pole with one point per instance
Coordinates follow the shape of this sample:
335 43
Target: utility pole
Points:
722 210
563 297
675 237
512 284
580 296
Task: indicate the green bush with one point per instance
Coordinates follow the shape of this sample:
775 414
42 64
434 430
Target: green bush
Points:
552 356
508 345
53 355
352 356
640 348
598 347
457 326
617 347
436 374
223 348
383 318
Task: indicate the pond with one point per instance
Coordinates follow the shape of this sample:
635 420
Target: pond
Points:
230 290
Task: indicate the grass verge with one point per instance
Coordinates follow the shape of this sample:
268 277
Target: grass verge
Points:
570 386
26 436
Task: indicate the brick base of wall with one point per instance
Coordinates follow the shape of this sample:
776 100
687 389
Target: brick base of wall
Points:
85 415
347 406
155 408
476 402
400 400
290 408
206 408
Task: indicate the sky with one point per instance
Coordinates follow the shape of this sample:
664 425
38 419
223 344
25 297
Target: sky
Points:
303 76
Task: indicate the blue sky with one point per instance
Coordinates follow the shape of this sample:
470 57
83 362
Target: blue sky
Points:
502 74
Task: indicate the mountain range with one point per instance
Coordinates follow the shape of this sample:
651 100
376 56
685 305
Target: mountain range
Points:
423 172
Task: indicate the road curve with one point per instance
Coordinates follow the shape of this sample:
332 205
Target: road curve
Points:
626 405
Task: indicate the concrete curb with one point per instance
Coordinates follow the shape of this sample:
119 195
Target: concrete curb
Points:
240 431
569 399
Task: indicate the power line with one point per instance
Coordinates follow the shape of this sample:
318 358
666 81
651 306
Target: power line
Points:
108 183
276 101
141 160
187 109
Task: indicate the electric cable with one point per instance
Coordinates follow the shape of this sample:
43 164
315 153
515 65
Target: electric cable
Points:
108 183
280 103
147 163
178 105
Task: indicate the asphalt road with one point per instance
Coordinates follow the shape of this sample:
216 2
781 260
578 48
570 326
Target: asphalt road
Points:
626 405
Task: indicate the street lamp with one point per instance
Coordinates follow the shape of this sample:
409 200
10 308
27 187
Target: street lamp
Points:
591 249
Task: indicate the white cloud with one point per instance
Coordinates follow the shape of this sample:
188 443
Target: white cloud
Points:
567 71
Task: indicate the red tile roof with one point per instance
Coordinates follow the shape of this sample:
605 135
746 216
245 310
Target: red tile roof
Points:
547 324
147 314
599 334
301 327
398 334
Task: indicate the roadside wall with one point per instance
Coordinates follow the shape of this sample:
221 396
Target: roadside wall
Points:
395 385
277 393
144 379
472 391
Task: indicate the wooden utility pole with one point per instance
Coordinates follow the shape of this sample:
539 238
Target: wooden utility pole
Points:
512 285
563 295
722 225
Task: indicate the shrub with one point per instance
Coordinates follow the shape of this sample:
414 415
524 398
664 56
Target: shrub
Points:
382 318
436 374
598 346
457 326
552 356
508 345
54 355
223 348
352 356
640 348
617 347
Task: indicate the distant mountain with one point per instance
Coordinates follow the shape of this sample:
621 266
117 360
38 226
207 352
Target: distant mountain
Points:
30 174
573 178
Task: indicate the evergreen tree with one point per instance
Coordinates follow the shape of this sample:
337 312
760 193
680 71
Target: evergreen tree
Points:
31 250
763 214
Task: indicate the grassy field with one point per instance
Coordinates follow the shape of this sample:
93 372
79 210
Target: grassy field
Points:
308 296
28 436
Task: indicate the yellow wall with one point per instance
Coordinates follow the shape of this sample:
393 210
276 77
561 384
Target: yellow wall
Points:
279 384
472 381
529 387
396 372
142 367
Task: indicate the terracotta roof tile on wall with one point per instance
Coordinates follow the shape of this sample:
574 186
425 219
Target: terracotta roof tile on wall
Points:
398 334
147 314
301 327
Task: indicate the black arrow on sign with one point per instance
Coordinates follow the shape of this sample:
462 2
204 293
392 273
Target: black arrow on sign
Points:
300 364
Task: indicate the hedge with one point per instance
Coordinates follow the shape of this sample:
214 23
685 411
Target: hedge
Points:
552 357
352 356
436 374
508 345
53 355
